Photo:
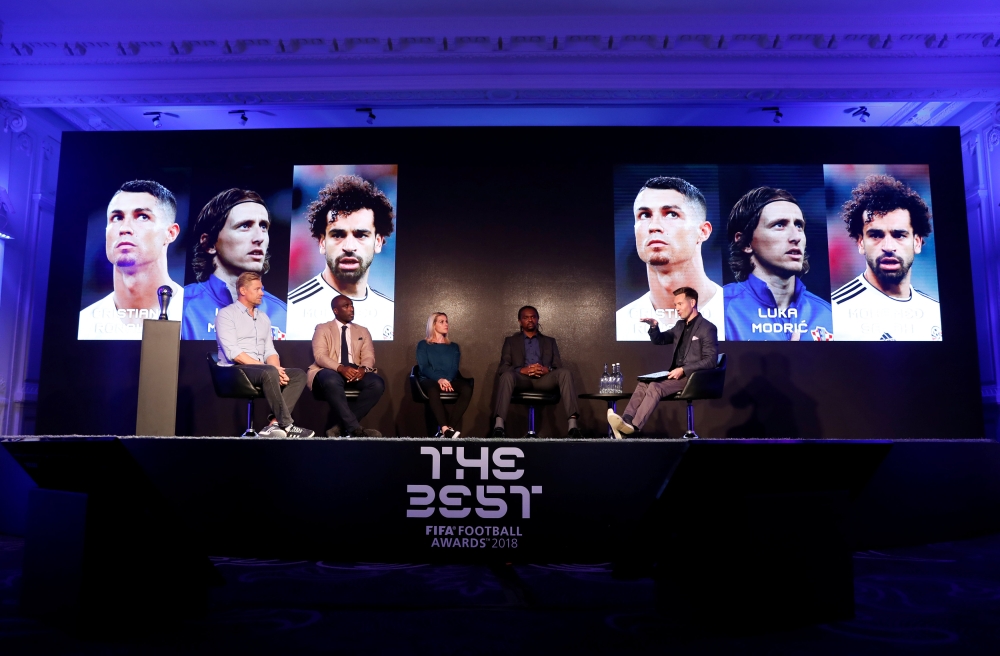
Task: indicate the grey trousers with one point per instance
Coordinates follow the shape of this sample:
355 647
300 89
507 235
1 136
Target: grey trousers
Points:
647 395
281 400
513 380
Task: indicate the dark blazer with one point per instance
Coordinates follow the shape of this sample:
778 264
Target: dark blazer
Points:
702 351
512 355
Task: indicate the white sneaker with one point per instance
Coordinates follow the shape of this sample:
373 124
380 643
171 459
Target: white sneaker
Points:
614 421
618 425
272 430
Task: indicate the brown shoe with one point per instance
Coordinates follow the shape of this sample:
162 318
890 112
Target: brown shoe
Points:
365 432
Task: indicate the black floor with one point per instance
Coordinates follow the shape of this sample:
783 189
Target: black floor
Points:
934 599
991 421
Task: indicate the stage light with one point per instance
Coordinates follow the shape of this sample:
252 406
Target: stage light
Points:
777 113
370 119
243 115
156 116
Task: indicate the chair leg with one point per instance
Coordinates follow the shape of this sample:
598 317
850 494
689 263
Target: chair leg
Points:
249 432
531 422
690 434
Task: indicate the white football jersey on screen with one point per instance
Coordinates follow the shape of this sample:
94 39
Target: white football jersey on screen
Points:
309 306
863 313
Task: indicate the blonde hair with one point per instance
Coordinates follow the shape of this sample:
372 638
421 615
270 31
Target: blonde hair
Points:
245 279
430 327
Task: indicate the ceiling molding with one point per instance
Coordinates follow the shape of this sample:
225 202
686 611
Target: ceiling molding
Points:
81 50
470 97
12 116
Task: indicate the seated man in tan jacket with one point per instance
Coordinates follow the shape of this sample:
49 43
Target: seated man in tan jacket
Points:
344 356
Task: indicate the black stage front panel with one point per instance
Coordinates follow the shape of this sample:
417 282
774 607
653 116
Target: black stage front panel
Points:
444 500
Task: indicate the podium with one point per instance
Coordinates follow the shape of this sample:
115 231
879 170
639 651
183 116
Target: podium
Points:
158 364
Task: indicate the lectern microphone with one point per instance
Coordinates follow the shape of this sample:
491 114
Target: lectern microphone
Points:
164 293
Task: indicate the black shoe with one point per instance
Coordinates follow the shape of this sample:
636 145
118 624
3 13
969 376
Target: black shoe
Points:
297 431
451 434
498 432
574 434
365 432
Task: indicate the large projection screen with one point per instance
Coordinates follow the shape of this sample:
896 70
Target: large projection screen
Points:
853 241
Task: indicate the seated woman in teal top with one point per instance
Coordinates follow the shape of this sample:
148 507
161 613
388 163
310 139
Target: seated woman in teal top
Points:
438 358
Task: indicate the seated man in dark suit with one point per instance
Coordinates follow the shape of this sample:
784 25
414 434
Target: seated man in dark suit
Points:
530 361
696 345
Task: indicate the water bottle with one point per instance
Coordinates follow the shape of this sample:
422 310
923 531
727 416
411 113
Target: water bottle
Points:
603 387
621 379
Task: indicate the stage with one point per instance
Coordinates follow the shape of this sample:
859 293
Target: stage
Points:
778 518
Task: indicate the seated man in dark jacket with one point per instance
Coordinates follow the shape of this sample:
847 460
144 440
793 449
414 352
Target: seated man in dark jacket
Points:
530 361
696 345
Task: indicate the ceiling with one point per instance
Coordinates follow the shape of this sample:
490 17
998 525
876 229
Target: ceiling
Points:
188 10
518 62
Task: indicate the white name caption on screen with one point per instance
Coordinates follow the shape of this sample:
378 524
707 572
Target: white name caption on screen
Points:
778 326
458 501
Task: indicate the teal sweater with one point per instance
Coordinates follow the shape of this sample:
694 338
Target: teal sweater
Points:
438 361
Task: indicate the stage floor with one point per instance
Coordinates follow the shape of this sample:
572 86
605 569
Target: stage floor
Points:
749 529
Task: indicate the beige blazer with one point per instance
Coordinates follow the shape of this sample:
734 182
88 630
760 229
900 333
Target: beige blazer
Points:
326 348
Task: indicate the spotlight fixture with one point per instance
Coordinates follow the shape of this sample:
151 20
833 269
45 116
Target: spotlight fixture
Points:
243 115
370 120
777 113
861 113
156 117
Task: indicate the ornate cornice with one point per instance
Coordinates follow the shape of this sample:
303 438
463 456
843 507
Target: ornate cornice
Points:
514 96
12 116
547 46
